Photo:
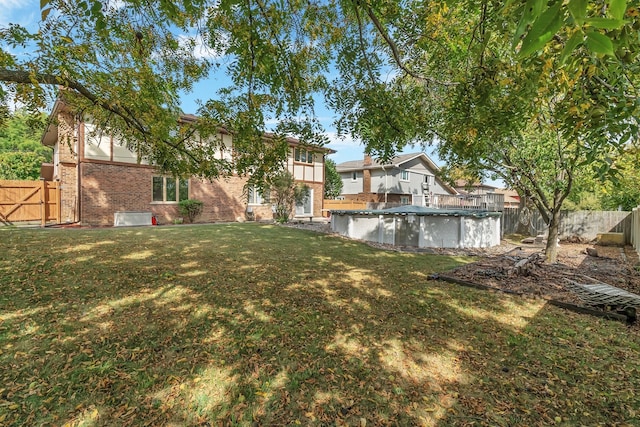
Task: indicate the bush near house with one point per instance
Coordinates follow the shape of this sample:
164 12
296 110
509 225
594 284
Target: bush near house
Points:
190 209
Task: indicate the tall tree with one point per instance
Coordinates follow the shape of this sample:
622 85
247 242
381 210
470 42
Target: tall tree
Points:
531 92
623 192
332 180
21 153
483 77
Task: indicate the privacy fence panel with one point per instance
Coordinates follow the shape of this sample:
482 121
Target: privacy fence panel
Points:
635 228
329 205
22 201
583 224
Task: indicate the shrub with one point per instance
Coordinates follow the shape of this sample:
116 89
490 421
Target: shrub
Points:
286 194
190 209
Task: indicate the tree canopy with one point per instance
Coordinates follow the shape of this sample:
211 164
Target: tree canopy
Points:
21 153
332 181
506 88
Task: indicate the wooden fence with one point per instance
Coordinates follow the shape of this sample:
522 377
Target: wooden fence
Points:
329 205
635 229
583 224
22 201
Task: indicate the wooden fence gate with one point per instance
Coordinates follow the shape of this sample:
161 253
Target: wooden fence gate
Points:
29 201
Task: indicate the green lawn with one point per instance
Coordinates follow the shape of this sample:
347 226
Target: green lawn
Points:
249 324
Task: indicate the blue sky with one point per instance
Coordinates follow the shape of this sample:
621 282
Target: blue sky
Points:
27 13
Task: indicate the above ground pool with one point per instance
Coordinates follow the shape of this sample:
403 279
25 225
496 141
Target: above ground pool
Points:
420 227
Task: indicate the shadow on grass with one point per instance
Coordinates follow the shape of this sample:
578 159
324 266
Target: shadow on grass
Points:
263 325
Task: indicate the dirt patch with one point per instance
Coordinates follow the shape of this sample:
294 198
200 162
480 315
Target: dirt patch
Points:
494 268
613 266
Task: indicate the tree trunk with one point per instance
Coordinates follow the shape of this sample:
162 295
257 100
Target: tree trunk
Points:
523 229
551 251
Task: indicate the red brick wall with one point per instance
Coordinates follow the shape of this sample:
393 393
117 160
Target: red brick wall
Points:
109 188
318 197
225 200
66 169
367 197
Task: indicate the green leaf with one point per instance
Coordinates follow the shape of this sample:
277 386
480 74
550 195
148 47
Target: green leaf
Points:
542 30
617 8
605 23
44 3
532 10
578 9
572 43
600 43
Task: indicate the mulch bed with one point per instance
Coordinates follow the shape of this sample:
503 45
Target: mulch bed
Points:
613 266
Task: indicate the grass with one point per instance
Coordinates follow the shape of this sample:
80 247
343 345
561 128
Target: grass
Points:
263 325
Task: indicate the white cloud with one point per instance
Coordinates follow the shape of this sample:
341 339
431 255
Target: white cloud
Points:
9 5
200 48
22 12
347 148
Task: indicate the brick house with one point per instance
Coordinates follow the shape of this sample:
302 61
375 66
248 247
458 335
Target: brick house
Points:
99 178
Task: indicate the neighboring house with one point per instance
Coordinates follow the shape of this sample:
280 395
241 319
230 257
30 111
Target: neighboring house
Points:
408 179
511 197
488 194
477 188
99 177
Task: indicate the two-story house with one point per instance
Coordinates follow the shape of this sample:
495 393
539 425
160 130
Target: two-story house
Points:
100 178
408 179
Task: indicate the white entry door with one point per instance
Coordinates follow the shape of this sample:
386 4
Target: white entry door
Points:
305 208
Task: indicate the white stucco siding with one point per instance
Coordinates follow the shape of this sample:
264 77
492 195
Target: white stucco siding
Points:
379 184
349 186
318 169
122 154
226 151
97 144
437 188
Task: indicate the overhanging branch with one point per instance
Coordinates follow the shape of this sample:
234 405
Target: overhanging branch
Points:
26 77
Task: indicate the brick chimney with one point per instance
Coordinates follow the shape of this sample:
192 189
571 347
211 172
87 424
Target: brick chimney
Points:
366 174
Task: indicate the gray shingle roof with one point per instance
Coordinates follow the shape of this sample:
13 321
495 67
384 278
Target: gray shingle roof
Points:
375 164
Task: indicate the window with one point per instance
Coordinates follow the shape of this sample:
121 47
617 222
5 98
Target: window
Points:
404 200
404 176
354 176
302 155
168 189
256 197
306 207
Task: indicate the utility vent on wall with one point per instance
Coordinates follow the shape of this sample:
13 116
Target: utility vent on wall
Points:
131 218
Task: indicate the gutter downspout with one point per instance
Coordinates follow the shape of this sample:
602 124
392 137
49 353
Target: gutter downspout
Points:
386 186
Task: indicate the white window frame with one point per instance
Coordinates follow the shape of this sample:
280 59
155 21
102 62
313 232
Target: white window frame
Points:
404 200
354 176
302 155
404 173
255 197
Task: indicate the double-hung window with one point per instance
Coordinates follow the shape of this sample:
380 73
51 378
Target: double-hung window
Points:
170 190
302 155
404 176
